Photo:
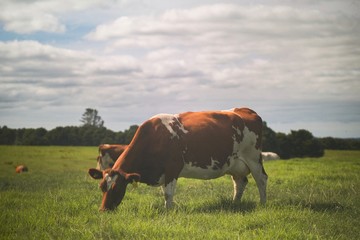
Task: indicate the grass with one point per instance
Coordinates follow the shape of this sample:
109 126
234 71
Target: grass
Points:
307 199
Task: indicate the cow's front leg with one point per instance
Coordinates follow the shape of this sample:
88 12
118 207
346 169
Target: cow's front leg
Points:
169 191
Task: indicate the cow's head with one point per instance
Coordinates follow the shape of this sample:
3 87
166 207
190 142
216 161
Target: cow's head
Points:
113 185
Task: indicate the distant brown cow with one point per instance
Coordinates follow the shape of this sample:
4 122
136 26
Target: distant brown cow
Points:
108 154
21 168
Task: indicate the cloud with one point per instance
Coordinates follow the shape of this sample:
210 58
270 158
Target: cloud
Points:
213 22
26 17
31 59
112 65
301 51
22 17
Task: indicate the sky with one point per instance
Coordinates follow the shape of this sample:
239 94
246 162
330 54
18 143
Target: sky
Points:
296 63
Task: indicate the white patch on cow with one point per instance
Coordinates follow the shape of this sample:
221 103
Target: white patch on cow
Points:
169 191
210 172
169 119
166 120
244 153
238 132
106 161
230 110
248 144
181 126
110 180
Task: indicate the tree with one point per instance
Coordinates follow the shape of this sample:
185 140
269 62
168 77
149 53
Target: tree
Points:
34 137
91 118
269 140
300 143
129 133
7 135
285 145
64 136
305 144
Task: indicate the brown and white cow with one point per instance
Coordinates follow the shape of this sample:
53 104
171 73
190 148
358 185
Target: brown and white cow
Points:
108 154
201 145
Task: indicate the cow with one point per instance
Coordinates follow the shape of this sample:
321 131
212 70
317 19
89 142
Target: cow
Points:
269 156
108 154
21 169
200 145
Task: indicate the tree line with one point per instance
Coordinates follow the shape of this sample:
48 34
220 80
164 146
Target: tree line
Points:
299 143
65 136
91 133
302 143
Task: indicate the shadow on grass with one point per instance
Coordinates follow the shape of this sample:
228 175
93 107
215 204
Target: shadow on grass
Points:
226 205
324 206
211 206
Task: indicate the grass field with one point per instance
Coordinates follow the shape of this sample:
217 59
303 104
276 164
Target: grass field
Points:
56 199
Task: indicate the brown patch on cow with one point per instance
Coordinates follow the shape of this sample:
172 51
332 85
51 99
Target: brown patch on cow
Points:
211 137
145 154
252 121
21 168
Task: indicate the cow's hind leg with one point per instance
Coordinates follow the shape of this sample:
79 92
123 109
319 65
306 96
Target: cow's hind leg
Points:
239 187
260 176
239 173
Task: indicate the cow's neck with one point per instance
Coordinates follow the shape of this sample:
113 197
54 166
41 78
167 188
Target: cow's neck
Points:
129 159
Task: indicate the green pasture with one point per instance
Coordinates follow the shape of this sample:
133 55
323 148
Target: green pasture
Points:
312 198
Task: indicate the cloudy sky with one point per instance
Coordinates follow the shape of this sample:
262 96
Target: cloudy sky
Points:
297 63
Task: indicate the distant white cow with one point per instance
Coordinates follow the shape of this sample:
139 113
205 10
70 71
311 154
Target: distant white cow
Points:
269 156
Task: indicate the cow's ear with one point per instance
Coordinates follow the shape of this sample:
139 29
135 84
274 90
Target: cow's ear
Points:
132 177
95 173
